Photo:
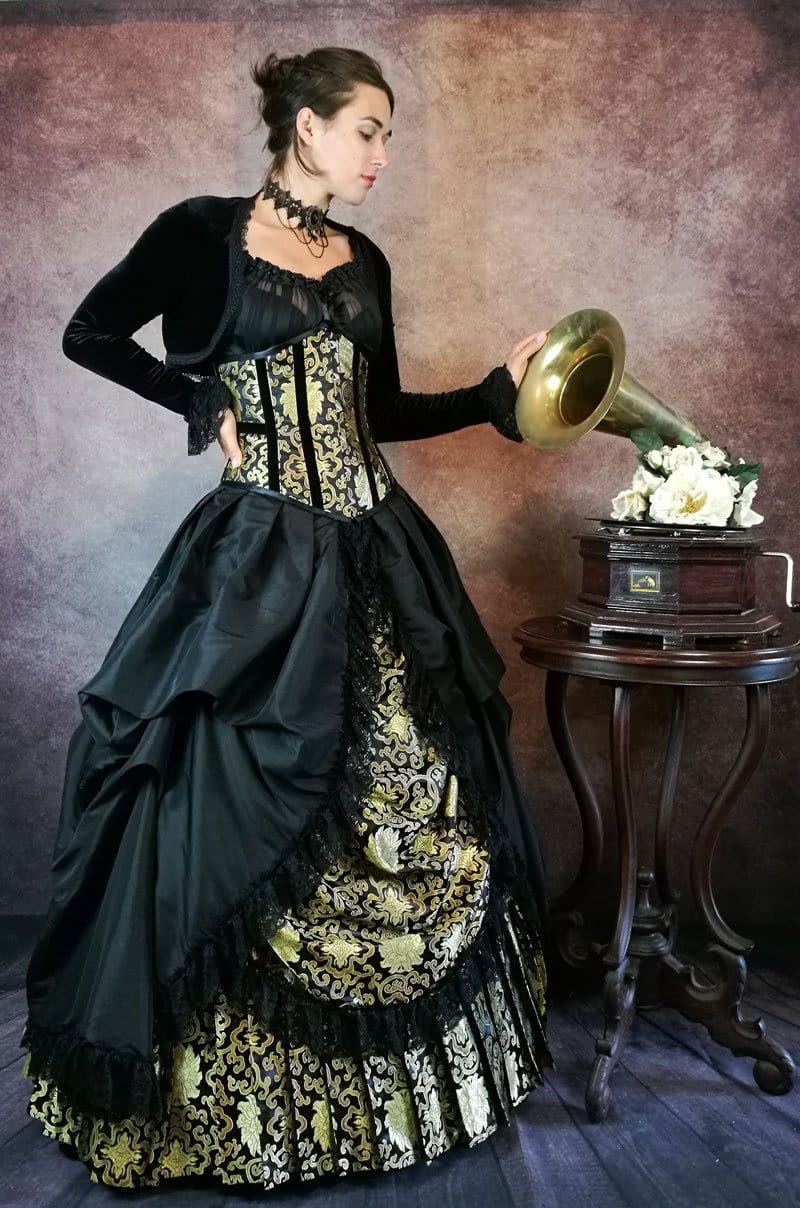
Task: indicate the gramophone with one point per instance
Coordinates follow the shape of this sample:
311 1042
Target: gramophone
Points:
680 585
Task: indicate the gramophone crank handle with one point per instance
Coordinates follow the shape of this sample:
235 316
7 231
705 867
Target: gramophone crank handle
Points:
775 553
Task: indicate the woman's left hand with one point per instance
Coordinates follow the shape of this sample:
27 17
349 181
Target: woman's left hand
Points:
517 360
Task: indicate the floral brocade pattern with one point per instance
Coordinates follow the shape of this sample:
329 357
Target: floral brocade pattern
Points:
410 893
247 1109
313 440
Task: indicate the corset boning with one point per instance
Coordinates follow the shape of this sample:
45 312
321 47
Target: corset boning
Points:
302 424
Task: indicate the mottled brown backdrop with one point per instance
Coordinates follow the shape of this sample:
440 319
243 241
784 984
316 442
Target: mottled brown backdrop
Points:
640 157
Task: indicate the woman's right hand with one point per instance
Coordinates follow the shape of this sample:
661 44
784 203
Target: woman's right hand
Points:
228 440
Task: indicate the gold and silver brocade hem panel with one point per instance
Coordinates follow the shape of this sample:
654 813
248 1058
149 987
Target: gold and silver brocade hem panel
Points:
303 429
245 1108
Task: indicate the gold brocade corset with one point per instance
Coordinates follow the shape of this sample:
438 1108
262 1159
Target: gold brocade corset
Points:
302 424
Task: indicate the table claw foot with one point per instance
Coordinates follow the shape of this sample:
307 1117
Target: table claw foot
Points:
716 1004
776 1077
619 993
598 1092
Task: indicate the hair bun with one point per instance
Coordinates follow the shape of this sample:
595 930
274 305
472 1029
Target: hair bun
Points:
273 72
282 69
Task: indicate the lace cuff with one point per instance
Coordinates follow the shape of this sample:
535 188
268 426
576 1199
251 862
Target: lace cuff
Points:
210 399
500 391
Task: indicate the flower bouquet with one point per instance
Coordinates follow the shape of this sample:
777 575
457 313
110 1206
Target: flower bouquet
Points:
695 483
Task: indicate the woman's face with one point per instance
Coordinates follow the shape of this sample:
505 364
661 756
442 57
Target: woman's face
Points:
350 148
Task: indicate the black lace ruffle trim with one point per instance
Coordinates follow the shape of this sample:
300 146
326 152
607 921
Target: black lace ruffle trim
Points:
500 391
259 267
109 1083
105 1082
210 399
282 1005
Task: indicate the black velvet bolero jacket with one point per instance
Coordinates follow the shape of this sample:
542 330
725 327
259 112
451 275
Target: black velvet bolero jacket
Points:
186 267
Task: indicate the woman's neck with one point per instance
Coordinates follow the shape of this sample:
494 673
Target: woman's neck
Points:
308 192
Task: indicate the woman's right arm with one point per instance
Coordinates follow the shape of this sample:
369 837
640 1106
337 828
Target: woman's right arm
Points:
147 281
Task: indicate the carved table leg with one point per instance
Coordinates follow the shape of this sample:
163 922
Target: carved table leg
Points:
655 927
669 780
716 1002
619 990
567 922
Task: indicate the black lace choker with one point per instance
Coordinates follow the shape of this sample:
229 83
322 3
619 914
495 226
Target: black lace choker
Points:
312 218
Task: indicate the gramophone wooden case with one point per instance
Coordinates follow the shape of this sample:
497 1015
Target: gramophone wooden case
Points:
681 583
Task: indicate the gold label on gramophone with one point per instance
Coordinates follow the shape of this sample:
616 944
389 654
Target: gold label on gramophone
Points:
644 582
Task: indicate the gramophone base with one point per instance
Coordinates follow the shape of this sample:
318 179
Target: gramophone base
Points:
667 630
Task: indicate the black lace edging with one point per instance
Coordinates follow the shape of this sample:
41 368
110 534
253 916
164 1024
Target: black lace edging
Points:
500 391
98 1080
210 399
110 1083
283 1006
288 276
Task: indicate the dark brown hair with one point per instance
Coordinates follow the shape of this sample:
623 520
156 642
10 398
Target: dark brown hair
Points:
323 79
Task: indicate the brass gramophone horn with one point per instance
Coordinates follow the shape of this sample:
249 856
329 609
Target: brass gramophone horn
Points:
577 382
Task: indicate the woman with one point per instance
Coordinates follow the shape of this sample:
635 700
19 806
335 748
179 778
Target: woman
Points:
295 922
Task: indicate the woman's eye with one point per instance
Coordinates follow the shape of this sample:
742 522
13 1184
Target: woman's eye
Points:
367 136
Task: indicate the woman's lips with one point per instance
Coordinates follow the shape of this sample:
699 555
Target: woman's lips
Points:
369 179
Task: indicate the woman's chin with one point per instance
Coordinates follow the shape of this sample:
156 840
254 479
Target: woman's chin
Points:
354 200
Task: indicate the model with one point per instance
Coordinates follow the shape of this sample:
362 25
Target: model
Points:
297 904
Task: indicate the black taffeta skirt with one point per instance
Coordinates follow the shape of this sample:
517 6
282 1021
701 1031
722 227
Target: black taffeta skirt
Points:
297 892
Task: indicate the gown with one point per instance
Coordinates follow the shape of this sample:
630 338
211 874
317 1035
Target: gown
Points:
297 906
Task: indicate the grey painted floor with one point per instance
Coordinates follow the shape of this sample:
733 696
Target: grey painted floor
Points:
689 1126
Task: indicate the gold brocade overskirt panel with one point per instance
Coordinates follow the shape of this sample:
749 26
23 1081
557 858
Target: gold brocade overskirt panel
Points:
385 923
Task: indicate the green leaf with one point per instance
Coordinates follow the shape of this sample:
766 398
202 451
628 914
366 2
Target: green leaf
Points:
745 471
646 439
687 439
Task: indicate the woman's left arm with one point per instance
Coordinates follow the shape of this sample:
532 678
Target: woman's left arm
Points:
396 414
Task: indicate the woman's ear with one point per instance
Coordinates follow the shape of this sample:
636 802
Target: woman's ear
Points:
305 120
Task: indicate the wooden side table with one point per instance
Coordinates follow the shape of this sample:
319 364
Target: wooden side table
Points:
641 966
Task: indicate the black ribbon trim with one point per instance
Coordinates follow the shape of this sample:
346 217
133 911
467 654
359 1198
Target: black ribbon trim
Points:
362 436
304 424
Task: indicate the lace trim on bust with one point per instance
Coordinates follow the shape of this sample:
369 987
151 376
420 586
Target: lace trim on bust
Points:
290 276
